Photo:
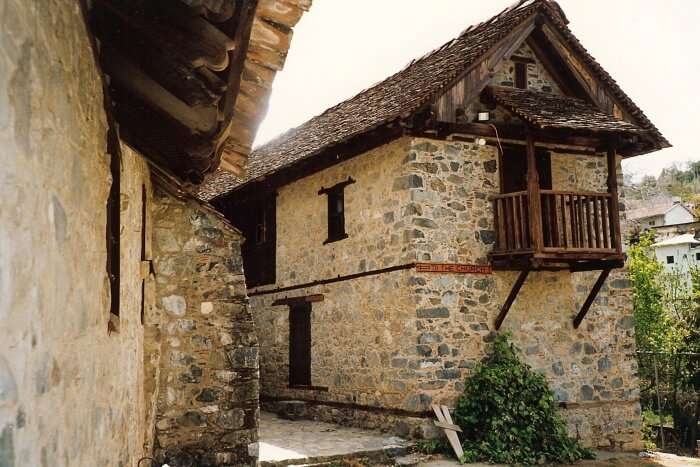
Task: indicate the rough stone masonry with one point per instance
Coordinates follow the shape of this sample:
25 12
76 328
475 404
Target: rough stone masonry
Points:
385 347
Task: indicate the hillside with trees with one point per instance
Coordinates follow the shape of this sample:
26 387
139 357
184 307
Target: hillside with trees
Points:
678 180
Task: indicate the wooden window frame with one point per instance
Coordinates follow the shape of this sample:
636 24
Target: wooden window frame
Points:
259 250
336 217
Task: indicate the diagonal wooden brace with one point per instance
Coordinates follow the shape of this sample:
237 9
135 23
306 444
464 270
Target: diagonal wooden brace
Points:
511 298
591 297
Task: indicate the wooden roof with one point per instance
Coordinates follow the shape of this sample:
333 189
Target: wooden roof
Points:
409 91
189 79
545 110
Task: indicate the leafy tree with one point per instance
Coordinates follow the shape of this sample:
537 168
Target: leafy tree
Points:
509 415
655 328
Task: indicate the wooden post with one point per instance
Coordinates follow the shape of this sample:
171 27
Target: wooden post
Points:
615 202
533 194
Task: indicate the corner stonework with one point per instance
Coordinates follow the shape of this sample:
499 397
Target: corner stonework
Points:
203 361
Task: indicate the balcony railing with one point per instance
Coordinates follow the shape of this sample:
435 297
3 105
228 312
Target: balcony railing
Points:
570 223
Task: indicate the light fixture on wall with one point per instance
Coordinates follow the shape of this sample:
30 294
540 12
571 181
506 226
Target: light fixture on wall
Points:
483 116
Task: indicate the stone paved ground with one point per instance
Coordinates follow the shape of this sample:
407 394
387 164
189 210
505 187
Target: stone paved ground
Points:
284 440
297 442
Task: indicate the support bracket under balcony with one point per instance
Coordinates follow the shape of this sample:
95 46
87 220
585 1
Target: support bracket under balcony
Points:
511 297
591 297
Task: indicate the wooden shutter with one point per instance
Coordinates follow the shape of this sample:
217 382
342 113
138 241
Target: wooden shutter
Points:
300 344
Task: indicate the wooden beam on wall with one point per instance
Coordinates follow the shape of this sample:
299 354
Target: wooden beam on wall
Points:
591 297
511 298
299 300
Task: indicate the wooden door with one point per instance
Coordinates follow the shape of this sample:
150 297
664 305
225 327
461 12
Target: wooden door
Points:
514 169
300 345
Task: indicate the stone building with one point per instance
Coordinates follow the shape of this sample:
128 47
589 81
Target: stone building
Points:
125 331
474 192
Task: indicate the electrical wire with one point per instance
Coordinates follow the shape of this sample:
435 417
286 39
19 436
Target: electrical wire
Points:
498 139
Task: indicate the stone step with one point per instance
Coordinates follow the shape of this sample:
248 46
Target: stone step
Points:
385 456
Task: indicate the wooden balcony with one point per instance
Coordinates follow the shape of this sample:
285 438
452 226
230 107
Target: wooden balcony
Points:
541 229
575 229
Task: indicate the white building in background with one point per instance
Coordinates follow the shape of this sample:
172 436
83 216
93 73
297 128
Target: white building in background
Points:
661 215
679 253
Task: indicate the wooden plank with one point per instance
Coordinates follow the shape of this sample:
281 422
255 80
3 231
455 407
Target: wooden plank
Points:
500 225
591 297
511 298
448 426
443 415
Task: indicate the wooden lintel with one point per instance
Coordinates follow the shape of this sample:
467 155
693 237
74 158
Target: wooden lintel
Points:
298 300
591 297
511 298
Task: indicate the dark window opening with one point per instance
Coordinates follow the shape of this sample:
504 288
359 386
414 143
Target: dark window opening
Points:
521 75
670 260
514 169
300 344
697 256
336 210
256 219
113 230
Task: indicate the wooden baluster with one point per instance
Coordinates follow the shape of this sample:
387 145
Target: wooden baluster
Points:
581 221
563 221
516 224
526 219
604 218
523 223
596 220
574 229
546 234
555 221
509 225
589 225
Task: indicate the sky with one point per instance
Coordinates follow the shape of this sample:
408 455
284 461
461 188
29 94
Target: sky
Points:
341 47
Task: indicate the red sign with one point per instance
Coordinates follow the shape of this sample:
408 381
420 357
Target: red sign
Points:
454 268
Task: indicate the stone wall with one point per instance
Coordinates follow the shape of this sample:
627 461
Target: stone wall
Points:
203 359
375 207
538 78
592 369
70 391
399 341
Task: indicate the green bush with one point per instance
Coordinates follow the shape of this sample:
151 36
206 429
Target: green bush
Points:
508 414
